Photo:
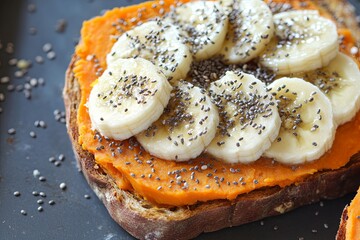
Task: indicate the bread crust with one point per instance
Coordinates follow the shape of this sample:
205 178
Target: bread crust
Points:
144 220
341 233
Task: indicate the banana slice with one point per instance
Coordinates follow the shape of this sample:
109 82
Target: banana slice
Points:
128 97
340 81
249 120
158 42
206 25
186 127
250 29
307 129
305 41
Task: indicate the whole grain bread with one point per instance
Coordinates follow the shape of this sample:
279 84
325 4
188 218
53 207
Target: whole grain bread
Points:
145 220
341 233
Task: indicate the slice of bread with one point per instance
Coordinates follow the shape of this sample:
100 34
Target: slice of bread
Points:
145 220
341 234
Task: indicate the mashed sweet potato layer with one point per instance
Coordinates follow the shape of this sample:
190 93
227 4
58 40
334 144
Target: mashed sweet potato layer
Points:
353 222
204 178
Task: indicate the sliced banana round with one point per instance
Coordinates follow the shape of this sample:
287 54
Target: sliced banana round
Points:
205 23
128 97
186 127
159 42
307 128
249 120
305 41
251 27
340 81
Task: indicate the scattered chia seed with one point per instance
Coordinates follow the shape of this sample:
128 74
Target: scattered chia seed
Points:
23 212
354 50
40 201
62 186
4 80
40 209
17 194
61 26
23 64
61 157
52 159
47 47
39 59
13 62
36 173
86 196
42 194
35 193
51 55
51 202
2 97
32 134
11 131
42 179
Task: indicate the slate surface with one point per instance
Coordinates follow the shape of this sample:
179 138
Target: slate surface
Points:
73 216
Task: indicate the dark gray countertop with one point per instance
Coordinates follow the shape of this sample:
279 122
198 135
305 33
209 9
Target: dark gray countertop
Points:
73 216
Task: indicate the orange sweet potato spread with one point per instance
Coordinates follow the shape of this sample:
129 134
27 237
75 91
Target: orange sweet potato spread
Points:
202 179
353 222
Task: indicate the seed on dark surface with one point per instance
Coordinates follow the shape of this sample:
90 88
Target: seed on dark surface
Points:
5 80
23 64
40 201
17 194
62 186
11 131
42 124
52 159
36 173
51 55
32 134
33 82
2 97
61 157
40 209
57 163
35 193
61 25
41 81
51 202
42 194
47 47
42 179
13 61
39 59
86 196
23 212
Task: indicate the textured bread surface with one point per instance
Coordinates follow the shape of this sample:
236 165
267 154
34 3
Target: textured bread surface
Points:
144 220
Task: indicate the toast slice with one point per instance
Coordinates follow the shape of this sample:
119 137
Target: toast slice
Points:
341 234
145 220
349 221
